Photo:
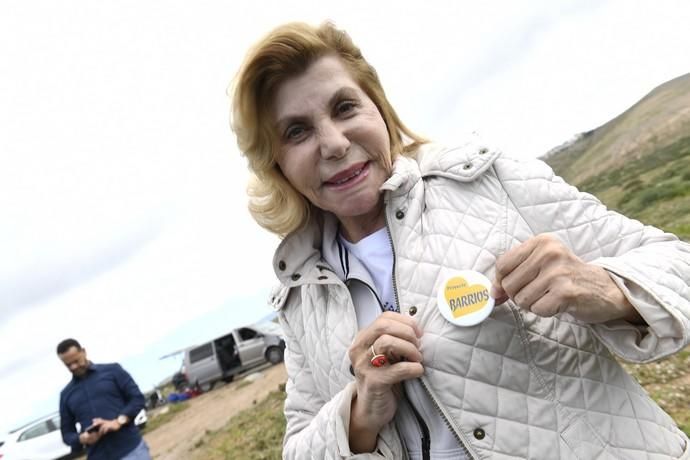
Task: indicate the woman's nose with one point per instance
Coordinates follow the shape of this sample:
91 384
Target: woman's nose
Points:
332 141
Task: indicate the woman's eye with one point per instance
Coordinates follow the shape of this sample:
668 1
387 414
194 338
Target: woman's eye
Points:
344 107
294 132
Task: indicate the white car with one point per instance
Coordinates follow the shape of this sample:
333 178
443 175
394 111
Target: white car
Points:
42 440
141 419
38 440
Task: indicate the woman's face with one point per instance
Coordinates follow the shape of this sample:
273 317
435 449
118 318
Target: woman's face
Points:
332 140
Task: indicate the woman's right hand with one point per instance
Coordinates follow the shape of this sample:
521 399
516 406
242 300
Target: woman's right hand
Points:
397 337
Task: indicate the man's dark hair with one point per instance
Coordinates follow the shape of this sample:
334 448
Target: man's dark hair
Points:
66 345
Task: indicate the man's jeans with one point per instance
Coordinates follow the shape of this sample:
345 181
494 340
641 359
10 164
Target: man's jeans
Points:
141 452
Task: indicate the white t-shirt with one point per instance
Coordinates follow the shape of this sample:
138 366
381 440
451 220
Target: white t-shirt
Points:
375 253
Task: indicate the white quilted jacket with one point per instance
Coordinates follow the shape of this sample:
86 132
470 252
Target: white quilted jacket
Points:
516 385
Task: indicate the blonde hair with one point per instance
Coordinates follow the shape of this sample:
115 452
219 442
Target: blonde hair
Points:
286 52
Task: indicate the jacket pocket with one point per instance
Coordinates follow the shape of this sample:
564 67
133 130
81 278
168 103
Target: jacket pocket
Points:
584 442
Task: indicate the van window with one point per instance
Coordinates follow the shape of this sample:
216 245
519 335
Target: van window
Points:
246 334
199 353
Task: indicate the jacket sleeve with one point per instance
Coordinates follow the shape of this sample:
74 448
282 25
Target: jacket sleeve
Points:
134 399
318 429
651 267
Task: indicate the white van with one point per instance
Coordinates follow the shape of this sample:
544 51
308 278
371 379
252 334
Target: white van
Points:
226 356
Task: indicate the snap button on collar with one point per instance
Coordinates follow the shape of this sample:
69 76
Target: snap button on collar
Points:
479 433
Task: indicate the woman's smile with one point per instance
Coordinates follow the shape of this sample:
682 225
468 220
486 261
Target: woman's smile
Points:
349 177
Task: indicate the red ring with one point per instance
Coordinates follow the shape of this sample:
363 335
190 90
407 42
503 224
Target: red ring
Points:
379 360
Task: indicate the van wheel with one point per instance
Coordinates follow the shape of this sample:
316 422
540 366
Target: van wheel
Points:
274 355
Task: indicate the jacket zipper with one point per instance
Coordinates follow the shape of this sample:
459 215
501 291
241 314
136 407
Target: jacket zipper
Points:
459 436
390 241
426 438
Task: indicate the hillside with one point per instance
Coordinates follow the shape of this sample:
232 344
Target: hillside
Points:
639 162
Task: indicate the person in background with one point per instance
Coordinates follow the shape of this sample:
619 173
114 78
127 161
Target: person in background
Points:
445 303
104 400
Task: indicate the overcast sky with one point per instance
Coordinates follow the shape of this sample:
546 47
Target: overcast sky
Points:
122 208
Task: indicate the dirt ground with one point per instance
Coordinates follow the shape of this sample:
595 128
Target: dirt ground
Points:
176 439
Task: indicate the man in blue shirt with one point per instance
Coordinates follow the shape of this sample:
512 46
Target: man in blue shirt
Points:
104 399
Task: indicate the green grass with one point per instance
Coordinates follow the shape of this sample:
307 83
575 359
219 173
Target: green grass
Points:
671 162
682 230
253 434
654 189
162 419
663 371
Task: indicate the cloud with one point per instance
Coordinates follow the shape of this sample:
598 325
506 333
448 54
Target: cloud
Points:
23 399
71 264
20 360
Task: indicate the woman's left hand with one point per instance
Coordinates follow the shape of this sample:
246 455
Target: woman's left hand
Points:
543 276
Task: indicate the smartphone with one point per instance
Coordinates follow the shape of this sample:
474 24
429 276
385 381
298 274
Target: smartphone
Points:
93 428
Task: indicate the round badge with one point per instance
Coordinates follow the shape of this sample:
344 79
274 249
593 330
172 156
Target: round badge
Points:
464 298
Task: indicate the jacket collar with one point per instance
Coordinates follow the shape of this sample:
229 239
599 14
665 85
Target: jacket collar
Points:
463 163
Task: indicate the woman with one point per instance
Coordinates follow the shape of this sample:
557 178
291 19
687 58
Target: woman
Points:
386 236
